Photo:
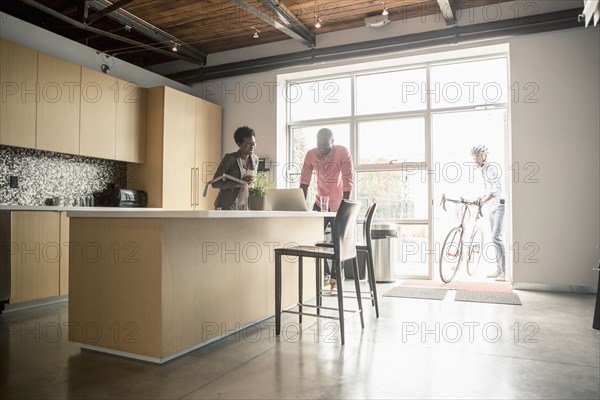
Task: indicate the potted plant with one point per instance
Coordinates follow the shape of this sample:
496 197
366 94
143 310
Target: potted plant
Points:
258 191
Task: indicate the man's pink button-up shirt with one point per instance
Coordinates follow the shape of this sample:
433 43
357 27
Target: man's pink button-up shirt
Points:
335 174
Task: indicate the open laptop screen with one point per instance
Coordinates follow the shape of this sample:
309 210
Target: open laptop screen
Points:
287 200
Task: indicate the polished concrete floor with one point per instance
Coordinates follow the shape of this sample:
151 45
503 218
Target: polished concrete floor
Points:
418 349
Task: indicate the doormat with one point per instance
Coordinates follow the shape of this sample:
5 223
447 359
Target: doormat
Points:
504 287
417 293
488 297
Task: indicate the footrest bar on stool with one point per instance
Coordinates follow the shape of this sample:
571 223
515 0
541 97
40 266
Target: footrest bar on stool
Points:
319 307
311 315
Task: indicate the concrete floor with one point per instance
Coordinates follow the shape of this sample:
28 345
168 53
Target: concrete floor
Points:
544 349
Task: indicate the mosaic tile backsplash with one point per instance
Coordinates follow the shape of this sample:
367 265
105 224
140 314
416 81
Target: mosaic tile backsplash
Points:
44 174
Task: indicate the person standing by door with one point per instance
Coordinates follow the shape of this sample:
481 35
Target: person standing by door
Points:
335 178
494 197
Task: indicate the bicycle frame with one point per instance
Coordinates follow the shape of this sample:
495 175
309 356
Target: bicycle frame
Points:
448 269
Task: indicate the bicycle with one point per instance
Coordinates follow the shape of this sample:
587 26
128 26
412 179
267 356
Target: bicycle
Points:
453 248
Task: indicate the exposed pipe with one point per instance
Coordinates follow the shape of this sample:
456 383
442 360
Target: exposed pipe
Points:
565 19
88 28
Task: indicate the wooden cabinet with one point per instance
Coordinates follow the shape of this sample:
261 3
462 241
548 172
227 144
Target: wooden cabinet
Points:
18 76
35 255
58 107
183 138
99 97
208 149
54 105
130 123
63 274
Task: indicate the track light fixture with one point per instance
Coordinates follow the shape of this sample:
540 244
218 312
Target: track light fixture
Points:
175 47
385 10
256 32
317 18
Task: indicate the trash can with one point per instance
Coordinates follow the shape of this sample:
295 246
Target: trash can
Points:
383 251
362 271
347 265
596 323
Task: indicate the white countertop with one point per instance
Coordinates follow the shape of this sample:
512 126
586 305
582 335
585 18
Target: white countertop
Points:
131 212
8 207
160 213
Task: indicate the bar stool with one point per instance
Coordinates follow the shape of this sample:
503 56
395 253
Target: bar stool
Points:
344 248
367 249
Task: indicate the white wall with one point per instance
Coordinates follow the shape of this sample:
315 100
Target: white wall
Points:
556 217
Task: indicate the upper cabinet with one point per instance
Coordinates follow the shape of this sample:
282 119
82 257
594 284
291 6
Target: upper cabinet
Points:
183 142
99 97
54 105
18 76
58 106
131 123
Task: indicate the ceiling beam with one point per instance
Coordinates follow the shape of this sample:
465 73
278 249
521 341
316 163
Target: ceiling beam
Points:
301 34
565 19
289 19
99 14
448 11
150 31
88 28
82 11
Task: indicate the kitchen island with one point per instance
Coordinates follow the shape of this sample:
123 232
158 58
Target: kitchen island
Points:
156 284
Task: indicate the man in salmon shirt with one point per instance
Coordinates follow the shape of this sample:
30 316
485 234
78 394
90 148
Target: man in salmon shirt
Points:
335 178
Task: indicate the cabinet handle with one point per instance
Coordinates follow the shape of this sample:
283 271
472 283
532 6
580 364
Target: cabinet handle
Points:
192 186
197 186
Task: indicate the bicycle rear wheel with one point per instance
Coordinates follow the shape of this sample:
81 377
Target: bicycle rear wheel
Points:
450 255
475 250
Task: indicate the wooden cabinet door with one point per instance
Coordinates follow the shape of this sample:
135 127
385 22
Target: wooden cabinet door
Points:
99 96
178 150
131 123
63 279
58 107
18 75
208 150
35 258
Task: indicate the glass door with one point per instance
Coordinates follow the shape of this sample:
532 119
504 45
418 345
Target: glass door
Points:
455 175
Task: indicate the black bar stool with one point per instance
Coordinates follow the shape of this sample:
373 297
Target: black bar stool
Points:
344 248
367 249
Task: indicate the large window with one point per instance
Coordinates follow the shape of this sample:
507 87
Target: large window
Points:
388 92
328 98
406 128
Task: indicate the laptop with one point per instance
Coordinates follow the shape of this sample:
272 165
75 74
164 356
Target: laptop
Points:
287 200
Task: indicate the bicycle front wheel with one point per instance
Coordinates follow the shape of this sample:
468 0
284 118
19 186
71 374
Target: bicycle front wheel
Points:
475 250
451 254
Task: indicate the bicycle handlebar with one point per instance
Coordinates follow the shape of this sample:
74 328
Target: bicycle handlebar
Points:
461 201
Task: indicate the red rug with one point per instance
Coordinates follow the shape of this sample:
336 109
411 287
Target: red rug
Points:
503 287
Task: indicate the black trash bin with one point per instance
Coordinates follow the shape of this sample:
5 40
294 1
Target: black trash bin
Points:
347 265
349 272
596 322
